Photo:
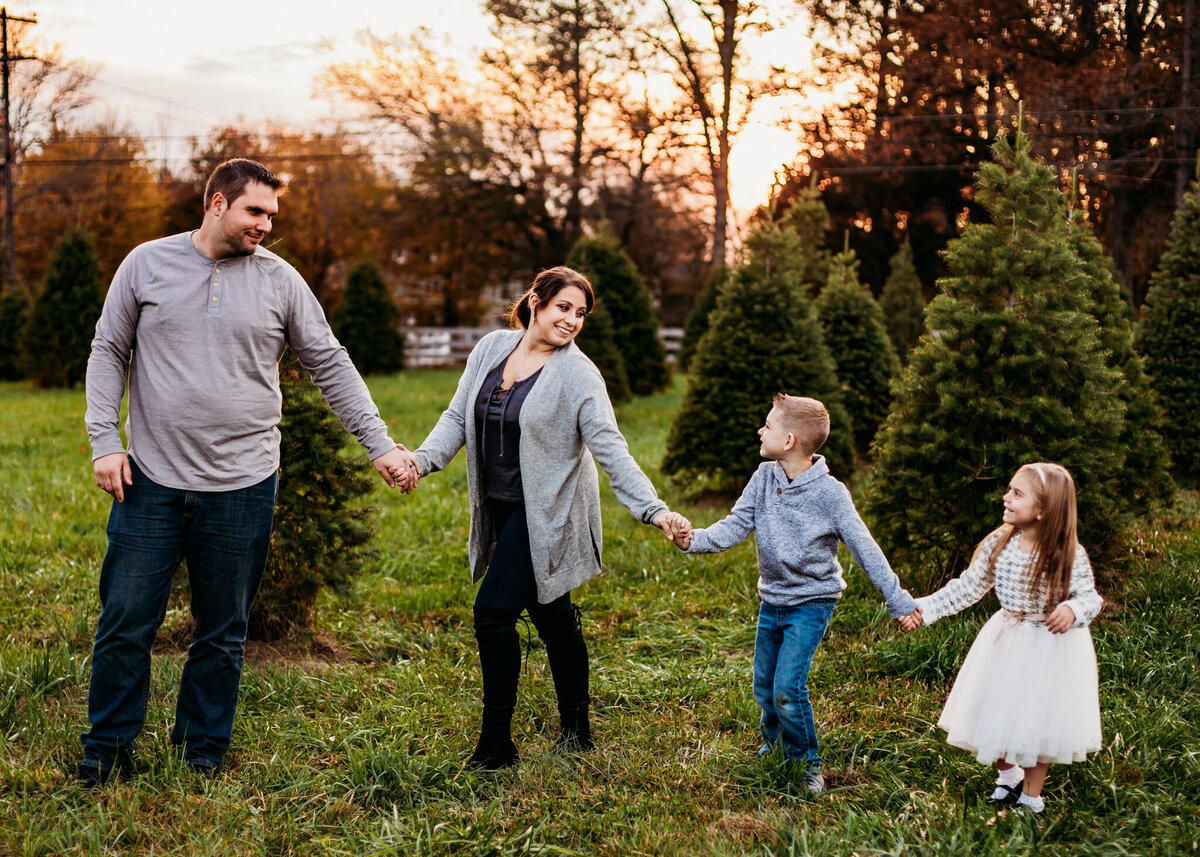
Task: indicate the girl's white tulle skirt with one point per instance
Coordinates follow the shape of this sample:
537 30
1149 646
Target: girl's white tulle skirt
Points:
1025 695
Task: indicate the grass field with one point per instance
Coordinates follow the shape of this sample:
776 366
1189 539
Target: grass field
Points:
355 743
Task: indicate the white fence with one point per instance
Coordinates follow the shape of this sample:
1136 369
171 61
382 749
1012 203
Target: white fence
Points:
449 346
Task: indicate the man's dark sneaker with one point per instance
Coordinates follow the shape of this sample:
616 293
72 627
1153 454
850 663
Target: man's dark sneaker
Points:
204 767
93 772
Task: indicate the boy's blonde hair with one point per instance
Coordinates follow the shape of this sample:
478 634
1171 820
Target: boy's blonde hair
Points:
804 417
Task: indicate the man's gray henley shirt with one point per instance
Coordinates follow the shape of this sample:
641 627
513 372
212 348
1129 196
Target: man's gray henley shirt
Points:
199 341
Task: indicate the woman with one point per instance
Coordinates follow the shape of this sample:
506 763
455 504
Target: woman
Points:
529 407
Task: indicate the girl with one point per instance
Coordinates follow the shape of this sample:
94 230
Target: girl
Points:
1027 693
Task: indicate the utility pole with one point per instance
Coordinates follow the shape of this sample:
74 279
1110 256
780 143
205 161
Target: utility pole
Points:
10 256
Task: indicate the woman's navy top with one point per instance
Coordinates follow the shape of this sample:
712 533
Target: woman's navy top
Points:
497 412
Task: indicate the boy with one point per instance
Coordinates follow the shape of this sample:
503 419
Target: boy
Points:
799 513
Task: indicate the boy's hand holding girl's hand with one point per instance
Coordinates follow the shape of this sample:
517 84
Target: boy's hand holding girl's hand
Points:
912 621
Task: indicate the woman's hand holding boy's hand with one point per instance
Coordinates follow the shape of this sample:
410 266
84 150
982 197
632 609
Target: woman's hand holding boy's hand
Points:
1061 620
912 621
677 528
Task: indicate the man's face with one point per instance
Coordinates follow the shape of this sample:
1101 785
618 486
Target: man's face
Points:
244 223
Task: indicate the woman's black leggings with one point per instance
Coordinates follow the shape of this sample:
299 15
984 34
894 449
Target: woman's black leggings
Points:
508 589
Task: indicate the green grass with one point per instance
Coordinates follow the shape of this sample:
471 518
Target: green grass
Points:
355 745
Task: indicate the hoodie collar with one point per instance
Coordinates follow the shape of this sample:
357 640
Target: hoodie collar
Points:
818 469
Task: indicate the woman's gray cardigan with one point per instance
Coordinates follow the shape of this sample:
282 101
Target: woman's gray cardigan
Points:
566 414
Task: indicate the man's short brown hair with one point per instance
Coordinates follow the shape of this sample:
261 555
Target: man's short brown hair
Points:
231 177
804 417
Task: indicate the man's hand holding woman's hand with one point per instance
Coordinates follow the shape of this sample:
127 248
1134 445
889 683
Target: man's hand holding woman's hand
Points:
912 621
399 468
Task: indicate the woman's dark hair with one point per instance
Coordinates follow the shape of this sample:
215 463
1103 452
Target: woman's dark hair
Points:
546 285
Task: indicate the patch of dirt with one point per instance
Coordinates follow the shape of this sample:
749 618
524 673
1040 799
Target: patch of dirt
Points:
842 779
737 825
320 650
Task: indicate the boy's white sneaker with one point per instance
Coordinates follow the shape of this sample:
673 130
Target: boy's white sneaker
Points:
815 783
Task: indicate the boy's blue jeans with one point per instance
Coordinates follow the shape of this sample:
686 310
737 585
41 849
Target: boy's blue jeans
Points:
224 537
783 652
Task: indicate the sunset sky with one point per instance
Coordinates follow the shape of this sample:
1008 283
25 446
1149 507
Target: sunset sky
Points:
175 70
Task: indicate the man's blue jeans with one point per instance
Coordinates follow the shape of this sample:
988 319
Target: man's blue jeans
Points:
223 536
783 652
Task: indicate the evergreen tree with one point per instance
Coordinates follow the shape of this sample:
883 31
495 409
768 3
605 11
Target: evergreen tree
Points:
599 343
697 320
1170 338
809 217
1012 371
1146 474
763 339
618 284
366 321
903 303
322 526
865 361
57 336
14 311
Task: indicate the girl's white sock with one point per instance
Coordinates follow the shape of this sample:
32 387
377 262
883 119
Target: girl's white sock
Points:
1007 777
1010 776
1034 803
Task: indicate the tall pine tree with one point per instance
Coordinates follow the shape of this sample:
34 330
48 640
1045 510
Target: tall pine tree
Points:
14 311
865 361
1011 371
620 286
1169 338
1146 474
366 321
598 342
697 321
903 303
763 339
58 333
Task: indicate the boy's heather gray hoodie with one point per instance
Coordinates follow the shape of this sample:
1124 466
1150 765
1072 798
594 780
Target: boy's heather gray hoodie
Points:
798 525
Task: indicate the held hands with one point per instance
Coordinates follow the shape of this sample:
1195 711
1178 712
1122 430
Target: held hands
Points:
912 621
399 468
677 528
1061 620
112 474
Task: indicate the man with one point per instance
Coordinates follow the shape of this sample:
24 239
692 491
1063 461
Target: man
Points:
196 323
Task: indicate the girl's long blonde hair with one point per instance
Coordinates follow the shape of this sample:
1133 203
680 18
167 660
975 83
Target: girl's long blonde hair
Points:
1057 537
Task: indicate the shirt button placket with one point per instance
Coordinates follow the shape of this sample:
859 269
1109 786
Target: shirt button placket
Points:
214 300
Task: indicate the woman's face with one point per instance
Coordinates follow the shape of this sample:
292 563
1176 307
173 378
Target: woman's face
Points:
561 319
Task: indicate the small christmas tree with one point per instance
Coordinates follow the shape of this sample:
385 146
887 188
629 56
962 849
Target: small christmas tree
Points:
866 363
1169 338
1012 371
618 284
14 311
322 526
598 342
366 321
697 320
763 339
57 337
903 303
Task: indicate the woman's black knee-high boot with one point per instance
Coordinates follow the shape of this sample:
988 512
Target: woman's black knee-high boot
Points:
568 656
500 659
